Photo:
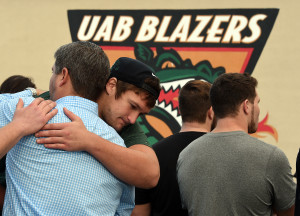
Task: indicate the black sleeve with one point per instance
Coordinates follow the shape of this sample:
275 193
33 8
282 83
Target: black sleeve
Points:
142 196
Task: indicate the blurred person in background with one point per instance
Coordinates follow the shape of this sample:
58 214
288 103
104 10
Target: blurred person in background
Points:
16 83
12 84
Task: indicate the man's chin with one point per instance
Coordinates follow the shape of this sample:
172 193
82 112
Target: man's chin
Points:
252 130
119 127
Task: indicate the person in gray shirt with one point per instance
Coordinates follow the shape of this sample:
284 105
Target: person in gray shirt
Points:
228 172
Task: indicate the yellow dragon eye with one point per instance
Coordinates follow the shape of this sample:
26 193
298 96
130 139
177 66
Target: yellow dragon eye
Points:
167 64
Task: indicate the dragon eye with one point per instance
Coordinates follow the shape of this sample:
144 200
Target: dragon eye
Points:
168 64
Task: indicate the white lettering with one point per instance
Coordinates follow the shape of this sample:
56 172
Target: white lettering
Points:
255 28
236 26
123 29
162 30
215 29
105 29
182 29
195 36
81 35
148 29
207 29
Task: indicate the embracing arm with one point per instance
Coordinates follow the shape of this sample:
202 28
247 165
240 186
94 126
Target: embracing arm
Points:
142 210
26 121
289 212
143 199
136 165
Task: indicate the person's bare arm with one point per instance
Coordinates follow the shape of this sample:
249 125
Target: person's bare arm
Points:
136 165
26 120
142 210
288 212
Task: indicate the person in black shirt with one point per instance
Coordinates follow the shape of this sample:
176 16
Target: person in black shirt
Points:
197 119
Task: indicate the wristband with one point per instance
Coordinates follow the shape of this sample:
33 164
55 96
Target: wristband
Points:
33 91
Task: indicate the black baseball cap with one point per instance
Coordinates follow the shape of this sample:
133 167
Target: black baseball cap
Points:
134 72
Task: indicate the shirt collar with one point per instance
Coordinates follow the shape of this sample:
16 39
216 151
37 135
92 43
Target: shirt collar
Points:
79 102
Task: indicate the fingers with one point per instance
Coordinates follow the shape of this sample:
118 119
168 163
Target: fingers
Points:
71 115
55 126
56 146
51 114
53 143
44 105
36 101
50 140
47 105
20 104
50 133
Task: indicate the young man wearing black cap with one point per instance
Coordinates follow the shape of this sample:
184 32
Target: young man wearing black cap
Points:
131 90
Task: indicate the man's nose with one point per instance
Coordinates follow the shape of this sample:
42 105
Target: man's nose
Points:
133 117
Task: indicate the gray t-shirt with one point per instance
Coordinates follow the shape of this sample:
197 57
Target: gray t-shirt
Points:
232 173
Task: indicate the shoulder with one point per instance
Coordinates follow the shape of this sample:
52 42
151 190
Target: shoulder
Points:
7 96
11 103
134 134
107 132
262 147
278 157
45 95
8 107
179 138
132 129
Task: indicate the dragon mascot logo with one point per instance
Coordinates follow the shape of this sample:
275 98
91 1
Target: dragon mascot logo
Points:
180 45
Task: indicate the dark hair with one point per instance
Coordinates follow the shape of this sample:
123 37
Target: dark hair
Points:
229 91
15 84
194 101
153 82
88 67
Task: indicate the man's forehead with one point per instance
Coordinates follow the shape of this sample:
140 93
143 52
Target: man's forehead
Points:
139 100
257 98
256 94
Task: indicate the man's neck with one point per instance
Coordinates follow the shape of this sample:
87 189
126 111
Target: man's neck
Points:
195 126
101 101
63 92
228 124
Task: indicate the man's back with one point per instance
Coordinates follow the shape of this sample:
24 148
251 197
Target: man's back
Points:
165 197
232 173
42 181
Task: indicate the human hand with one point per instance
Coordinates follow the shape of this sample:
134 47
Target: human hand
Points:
68 136
32 118
39 92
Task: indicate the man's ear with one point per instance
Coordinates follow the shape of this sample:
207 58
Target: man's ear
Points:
246 106
64 77
210 113
111 86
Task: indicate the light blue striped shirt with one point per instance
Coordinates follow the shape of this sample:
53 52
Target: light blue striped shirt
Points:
43 181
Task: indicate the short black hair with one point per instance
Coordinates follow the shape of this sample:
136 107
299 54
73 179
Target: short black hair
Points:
194 101
88 67
229 90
